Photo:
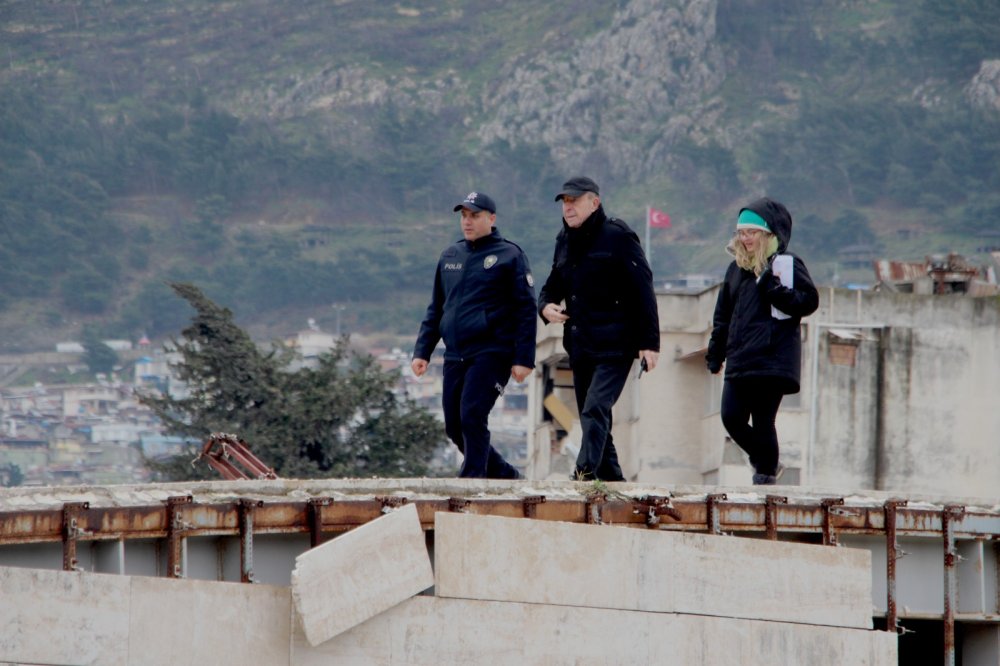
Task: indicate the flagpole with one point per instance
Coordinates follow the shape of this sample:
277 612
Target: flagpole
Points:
649 248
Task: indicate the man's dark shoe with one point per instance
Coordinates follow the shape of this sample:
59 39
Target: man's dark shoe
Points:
764 479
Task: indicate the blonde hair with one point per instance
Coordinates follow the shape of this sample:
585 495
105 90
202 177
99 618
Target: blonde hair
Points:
754 261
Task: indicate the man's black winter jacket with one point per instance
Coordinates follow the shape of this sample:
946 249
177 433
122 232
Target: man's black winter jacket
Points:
483 302
601 273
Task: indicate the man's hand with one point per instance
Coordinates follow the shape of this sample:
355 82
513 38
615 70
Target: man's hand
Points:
554 313
419 366
651 357
520 372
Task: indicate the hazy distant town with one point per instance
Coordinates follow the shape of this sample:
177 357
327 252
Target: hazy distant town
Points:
95 430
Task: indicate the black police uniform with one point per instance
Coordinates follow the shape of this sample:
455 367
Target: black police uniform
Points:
483 307
601 273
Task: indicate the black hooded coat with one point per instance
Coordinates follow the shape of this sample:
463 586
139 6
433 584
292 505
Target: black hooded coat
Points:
745 334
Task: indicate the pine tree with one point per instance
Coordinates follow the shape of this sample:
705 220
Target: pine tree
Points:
340 418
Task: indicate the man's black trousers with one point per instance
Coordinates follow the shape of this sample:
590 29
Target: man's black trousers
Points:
597 385
471 387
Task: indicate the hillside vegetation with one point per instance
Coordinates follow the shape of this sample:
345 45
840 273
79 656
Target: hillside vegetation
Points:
286 157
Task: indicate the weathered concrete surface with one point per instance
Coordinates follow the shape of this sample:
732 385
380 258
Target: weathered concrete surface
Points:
360 574
602 566
434 631
197 622
59 617
77 619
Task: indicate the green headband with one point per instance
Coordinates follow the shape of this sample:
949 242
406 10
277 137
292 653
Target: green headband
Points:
751 220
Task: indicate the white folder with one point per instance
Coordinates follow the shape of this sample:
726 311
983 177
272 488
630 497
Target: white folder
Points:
783 267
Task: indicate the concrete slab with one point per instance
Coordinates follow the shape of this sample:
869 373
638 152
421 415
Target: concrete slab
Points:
602 566
200 622
436 631
60 617
360 574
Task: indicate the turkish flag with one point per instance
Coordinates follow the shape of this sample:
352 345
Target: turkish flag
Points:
658 219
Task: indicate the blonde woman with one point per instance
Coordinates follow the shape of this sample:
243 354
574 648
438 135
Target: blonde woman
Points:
755 331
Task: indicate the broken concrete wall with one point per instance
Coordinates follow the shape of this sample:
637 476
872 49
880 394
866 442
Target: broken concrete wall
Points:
434 631
80 619
602 566
360 574
527 592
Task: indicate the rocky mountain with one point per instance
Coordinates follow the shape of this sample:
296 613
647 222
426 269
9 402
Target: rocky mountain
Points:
286 156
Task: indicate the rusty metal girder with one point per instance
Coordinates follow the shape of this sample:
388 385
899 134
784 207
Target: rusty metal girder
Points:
949 515
72 532
176 531
708 513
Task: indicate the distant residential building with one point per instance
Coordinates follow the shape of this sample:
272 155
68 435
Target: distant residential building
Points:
78 348
936 274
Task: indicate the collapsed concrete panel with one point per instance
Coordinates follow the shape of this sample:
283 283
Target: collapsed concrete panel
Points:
198 622
437 631
360 574
61 617
602 566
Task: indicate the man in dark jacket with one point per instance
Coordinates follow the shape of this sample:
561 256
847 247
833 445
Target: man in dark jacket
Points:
601 289
483 307
755 331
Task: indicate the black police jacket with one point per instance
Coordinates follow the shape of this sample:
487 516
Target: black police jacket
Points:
600 272
483 302
745 333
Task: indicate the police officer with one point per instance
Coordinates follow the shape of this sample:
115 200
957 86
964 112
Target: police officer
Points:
483 307
601 288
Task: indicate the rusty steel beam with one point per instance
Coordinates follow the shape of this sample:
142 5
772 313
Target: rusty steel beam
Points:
950 514
711 513
529 504
712 519
653 507
219 451
247 509
829 531
771 503
71 532
176 528
315 514
891 509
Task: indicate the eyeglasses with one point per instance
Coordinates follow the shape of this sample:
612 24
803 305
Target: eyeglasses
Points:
747 233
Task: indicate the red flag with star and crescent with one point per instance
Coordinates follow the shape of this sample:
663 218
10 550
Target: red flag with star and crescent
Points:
658 219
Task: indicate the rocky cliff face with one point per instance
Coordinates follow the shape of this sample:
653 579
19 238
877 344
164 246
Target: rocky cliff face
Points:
984 89
613 103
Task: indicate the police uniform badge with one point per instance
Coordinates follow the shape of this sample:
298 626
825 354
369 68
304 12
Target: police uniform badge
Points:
489 261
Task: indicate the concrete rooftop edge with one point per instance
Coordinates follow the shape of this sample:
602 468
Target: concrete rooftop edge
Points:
28 498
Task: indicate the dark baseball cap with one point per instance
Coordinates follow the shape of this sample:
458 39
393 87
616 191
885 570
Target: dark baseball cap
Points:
477 201
576 186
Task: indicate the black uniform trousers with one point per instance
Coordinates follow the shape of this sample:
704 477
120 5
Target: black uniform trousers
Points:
471 388
598 385
756 398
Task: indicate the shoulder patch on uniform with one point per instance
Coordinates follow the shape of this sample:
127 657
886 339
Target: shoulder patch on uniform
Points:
530 279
